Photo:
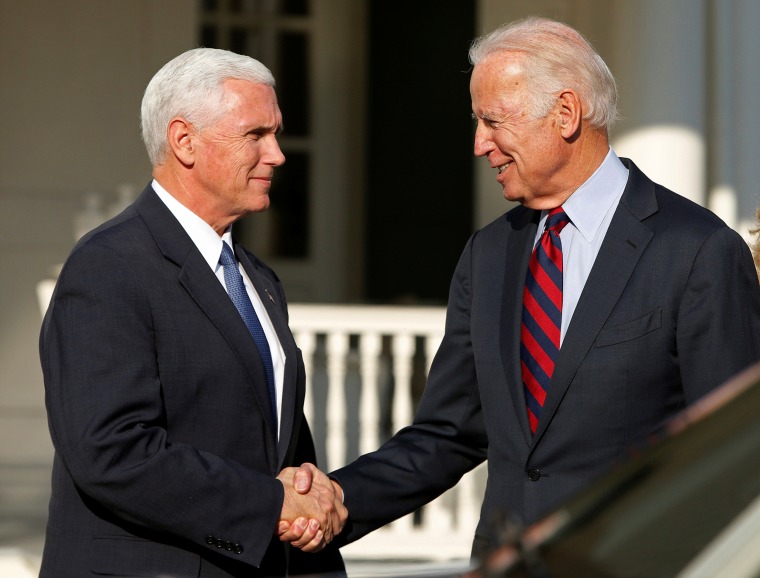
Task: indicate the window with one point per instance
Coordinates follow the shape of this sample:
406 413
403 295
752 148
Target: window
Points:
276 32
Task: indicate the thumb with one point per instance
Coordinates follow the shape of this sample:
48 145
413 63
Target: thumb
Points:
302 479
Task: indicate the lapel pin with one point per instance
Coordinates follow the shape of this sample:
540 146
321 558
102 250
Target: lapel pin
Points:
270 296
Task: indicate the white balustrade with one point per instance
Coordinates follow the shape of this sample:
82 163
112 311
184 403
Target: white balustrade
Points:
383 344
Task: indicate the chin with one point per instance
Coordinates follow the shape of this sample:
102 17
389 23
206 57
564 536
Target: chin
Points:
513 197
260 205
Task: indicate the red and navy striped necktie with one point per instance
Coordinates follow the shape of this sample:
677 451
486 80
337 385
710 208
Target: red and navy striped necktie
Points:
542 315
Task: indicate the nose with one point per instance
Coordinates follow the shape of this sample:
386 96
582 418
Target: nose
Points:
483 142
273 154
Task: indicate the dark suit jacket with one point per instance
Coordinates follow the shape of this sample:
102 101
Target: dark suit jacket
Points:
165 461
670 310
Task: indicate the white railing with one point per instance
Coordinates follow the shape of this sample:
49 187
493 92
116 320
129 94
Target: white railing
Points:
371 362
366 368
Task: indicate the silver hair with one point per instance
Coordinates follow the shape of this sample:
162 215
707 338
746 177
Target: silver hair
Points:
556 57
190 87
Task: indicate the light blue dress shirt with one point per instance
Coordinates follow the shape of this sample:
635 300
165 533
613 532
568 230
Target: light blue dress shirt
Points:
590 209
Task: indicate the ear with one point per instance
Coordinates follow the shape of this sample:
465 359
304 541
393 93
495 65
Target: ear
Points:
570 113
181 136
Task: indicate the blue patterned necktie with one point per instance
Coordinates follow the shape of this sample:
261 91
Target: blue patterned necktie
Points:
236 290
542 315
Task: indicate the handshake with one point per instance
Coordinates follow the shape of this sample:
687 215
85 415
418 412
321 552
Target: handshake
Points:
312 511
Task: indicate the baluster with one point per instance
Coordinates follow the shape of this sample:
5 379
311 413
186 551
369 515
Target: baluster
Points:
432 343
337 349
307 342
370 345
438 515
467 507
403 352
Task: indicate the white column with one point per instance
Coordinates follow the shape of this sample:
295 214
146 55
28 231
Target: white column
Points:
660 64
722 198
746 120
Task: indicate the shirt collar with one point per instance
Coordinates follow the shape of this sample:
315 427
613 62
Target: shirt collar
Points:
588 205
200 232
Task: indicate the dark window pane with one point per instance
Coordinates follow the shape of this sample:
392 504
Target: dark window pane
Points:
245 41
295 7
293 82
289 207
210 5
246 6
393 271
209 37
238 40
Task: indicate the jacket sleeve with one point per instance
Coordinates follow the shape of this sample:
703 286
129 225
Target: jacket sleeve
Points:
446 439
108 420
719 312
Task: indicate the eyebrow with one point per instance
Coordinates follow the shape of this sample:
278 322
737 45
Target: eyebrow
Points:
266 129
484 117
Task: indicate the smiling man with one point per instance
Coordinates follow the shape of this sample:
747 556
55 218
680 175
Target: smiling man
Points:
174 388
577 322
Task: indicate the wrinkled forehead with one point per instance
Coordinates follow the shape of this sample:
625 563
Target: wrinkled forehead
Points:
498 78
250 105
501 68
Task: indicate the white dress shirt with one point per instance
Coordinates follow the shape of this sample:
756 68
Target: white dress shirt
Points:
590 209
210 246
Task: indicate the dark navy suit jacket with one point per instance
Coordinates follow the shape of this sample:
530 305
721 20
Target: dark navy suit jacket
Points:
671 309
165 460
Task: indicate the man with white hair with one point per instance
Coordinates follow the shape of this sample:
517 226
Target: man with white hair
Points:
174 387
578 322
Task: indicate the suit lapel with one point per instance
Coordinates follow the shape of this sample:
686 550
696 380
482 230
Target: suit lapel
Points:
623 245
211 297
290 391
522 225
204 288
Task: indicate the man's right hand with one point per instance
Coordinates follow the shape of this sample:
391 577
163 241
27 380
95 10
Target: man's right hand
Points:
312 511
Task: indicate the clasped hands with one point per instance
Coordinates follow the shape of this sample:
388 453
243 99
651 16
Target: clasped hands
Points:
312 511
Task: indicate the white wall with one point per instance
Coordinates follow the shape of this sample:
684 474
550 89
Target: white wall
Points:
72 75
660 60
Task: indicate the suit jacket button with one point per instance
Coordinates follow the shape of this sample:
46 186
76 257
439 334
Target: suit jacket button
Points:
238 549
533 475
219 543
210 540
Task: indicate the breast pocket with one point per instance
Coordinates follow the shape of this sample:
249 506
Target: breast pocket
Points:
630 330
